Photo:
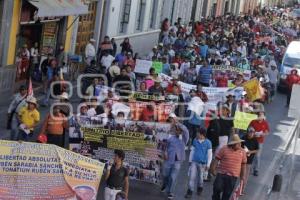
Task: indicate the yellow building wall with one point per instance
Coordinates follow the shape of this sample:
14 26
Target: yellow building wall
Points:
69 34
13 32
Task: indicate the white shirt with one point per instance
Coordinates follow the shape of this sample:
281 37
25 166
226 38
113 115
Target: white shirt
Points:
242 50
107 60
273 75
14 104
184 66
90 50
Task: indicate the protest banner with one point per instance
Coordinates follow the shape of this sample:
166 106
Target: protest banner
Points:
242 120
185 87
215 94
157 66
143 96
142 66
161 110
143 143
252 87
42 171
227 68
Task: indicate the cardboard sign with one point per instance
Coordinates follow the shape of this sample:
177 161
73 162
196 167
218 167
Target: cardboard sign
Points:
242 120
142 66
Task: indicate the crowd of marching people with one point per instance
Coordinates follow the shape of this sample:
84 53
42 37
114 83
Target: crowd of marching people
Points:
245 43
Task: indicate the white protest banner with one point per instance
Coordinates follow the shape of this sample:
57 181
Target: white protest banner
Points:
238 92
215 94
186 87
142 66
165 77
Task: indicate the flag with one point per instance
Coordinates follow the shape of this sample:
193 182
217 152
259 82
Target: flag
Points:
252 87
30 89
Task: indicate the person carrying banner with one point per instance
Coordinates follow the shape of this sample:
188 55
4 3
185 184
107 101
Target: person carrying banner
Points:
174 155
229 165
199 160
28 117
117 177
17 103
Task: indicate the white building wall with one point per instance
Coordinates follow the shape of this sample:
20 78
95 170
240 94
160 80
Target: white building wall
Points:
147 15
133 16
113 20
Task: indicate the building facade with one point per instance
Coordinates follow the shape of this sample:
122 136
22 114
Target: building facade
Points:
26 22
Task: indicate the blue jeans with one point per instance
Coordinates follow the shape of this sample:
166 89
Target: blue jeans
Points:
170 173
25 137
256 160
196 175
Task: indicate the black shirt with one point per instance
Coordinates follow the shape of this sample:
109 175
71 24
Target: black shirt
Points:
252 145
226 126
116 178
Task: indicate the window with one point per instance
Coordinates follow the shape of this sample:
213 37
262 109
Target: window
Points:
141 14
153 14
125 16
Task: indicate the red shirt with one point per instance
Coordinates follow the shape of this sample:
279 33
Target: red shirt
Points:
170 87
222 81
179 61
260 126
147 115
291 80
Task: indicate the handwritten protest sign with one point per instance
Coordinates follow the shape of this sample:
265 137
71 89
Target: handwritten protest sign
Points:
46 171
252 88
142 66
157 66
242 120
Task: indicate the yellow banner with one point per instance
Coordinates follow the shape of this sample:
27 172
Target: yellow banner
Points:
242 120
253 89
42 171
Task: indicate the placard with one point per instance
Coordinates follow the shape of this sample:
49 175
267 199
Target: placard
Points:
42 171
142 66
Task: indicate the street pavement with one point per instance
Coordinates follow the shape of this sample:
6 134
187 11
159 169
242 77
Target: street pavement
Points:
257 188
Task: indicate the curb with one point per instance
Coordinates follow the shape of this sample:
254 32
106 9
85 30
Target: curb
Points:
280 159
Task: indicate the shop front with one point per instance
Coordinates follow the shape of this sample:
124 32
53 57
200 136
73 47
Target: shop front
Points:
43 28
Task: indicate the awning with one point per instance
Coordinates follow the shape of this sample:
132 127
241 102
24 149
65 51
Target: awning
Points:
56 8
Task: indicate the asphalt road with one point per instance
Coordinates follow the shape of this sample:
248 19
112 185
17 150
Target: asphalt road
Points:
257 187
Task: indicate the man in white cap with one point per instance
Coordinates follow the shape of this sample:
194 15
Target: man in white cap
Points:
174 155
90 51
230 163
29 117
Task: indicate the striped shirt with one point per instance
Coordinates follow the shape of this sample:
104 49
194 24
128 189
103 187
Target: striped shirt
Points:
231 161
205 74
